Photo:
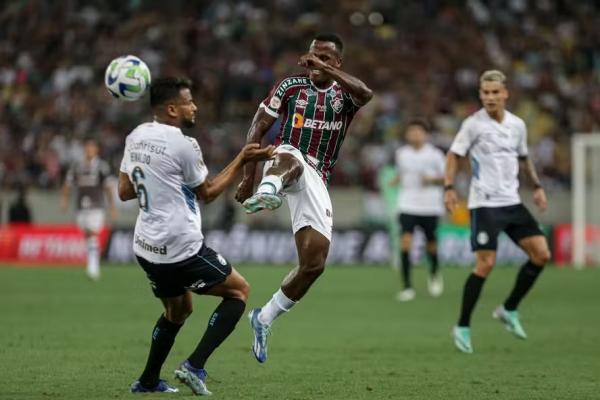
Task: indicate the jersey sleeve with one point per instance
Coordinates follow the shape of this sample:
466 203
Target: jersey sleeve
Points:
276 100
522 149
192 163
464 139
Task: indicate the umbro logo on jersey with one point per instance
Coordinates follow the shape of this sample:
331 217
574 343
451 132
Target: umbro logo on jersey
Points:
301 103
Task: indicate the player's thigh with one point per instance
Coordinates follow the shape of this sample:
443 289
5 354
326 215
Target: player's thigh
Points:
522 225
310 205
91 221
286 164
537 249
430 224
484 262
234 286
163 279
313 248
486 225
203 271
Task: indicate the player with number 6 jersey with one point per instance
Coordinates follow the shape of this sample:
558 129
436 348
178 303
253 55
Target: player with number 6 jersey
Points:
165 171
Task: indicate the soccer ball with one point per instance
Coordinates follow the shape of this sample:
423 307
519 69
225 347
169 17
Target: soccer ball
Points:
127 78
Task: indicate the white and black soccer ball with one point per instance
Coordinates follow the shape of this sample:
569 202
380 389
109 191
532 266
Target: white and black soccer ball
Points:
127 78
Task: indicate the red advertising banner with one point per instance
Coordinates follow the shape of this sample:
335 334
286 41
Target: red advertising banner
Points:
45 244
563 242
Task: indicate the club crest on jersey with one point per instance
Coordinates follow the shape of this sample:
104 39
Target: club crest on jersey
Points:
337 104
221 259
275 102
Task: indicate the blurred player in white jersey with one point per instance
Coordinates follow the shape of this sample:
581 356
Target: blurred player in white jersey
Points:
165 171
88 177
420 170
496 142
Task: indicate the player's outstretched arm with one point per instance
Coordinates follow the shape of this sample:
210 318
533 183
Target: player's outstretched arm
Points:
126 189
539 195
359 91
261 123
450 197
213 187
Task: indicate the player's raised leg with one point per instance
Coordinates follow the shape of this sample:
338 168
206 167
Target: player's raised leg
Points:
484 262
408 292
177 310
536 248
234 291
313 248
284 171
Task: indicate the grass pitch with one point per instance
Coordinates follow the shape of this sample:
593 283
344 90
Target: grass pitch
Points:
64 337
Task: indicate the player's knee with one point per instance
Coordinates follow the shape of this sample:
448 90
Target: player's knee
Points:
541 257
484 267
243 291
179 314
313 269
405 242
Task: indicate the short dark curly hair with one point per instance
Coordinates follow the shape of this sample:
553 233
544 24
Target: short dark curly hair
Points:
168 88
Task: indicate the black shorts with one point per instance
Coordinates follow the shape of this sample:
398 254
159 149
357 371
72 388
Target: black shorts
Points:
488 222
428 223
197 273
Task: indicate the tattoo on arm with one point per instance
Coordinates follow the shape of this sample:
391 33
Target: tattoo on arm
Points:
530 171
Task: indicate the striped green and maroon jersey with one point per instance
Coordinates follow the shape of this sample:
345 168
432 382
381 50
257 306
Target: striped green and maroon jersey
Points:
313 120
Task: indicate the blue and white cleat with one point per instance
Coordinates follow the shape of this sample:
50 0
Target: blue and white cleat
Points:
260 201
510 319
194 378
261 333
162 387
462 339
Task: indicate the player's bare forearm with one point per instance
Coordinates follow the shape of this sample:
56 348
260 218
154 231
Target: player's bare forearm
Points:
359 91
529 169
126 189
64 199
213 187
261 123
451 168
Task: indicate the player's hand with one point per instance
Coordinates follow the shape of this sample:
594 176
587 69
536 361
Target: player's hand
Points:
539 198
253 152
450 200
426 181
310 61
244 190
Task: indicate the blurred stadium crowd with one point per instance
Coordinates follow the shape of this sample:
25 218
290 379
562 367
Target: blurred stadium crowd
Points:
422 57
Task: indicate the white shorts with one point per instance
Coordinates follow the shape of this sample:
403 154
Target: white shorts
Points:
91 220
308 197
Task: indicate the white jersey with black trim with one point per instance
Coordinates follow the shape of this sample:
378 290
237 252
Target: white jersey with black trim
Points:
412 165
165 167
494 149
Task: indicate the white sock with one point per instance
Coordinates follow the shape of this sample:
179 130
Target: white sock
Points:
271 184
93 257
278 305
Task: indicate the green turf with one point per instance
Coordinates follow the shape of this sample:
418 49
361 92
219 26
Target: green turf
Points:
63 337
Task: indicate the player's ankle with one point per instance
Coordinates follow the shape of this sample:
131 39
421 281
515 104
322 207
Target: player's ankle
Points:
270 184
